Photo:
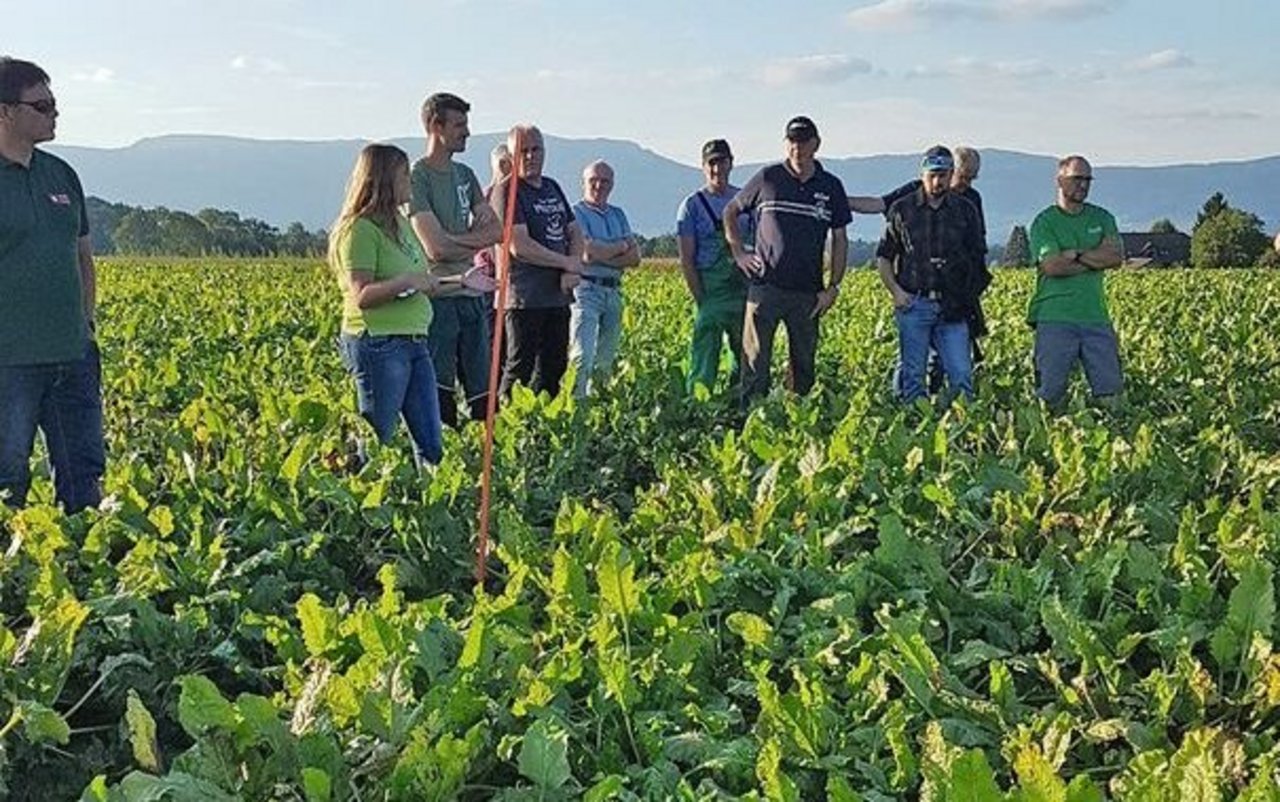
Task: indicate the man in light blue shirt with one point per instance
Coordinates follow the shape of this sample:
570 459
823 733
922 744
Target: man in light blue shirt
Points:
718 288
595 325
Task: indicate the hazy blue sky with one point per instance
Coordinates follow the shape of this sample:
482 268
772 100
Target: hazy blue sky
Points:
1125 81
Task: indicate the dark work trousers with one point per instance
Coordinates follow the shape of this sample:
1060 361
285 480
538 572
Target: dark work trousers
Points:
537 349
766 308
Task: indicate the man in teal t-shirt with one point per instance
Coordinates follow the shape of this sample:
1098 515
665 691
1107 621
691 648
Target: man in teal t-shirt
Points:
1072 242
453 220
50 375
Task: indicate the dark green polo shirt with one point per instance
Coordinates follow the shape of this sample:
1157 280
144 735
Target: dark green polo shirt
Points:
42 217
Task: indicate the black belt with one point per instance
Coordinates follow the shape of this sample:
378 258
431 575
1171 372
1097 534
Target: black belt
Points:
603 281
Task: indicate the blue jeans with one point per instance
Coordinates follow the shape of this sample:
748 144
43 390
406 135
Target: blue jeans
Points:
395 377
595 328
64 401
920 325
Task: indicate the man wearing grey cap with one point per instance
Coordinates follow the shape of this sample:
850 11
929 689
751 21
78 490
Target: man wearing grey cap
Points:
796 206
714 281
931 261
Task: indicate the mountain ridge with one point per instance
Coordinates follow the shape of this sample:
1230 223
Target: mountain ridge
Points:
286 180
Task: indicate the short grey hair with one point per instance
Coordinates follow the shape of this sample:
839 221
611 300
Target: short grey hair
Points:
522 131
598 164
968 161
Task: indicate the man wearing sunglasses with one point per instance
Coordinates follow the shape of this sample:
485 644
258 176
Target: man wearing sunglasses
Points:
50 376
1072 243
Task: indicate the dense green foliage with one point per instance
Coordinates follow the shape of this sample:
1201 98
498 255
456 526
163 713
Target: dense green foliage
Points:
117 228
834 598
1224 237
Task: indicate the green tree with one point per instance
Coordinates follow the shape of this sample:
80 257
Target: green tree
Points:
182 234
660 247
1214 206
1164 226
138 233
1270 260
1017 251
104 218
1229 238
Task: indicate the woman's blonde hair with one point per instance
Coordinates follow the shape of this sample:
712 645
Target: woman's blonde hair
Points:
371 192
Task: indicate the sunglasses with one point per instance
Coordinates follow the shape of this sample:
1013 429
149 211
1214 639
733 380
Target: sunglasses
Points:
42 106
1080 179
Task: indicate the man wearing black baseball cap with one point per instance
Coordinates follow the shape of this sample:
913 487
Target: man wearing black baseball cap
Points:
796 206
716 284
931 261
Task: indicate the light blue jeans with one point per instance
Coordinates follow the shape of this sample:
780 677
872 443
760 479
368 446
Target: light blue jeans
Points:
920 325
395 378
595 329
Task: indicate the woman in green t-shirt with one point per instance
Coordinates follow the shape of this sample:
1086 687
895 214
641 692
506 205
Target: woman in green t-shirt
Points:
382 272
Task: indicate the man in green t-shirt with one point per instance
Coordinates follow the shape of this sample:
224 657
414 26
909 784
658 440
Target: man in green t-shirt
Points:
453 220
50 376
1072 243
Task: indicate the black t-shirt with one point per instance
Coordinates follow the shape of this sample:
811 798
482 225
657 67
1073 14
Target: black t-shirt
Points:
547 214
792 221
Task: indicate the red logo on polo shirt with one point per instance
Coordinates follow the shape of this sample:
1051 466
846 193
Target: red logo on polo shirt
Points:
61 199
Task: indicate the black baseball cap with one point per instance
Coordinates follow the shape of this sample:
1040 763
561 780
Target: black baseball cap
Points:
801 129
716 149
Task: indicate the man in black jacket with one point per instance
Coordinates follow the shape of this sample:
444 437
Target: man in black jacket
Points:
931 261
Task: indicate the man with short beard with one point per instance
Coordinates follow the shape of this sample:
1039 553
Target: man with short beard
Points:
453 221
1072 243
546 260
50 374
968 163
931 261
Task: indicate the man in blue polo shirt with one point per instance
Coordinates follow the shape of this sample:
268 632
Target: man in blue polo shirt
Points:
717 285
796 206
50 377
595 323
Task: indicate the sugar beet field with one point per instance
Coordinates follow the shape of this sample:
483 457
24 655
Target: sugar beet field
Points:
831 599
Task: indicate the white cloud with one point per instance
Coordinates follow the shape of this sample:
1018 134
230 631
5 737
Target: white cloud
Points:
912 13
266 66
820 69
98 75
1162 60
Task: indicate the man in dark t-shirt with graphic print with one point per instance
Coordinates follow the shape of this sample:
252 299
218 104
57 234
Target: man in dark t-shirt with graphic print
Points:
546 260
796 206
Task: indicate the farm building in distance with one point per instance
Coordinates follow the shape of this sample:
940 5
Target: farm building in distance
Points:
1162 249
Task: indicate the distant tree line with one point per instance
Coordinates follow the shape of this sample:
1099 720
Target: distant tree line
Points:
1222 236
117 228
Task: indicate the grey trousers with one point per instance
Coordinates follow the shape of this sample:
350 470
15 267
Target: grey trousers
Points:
766 308
1059 346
